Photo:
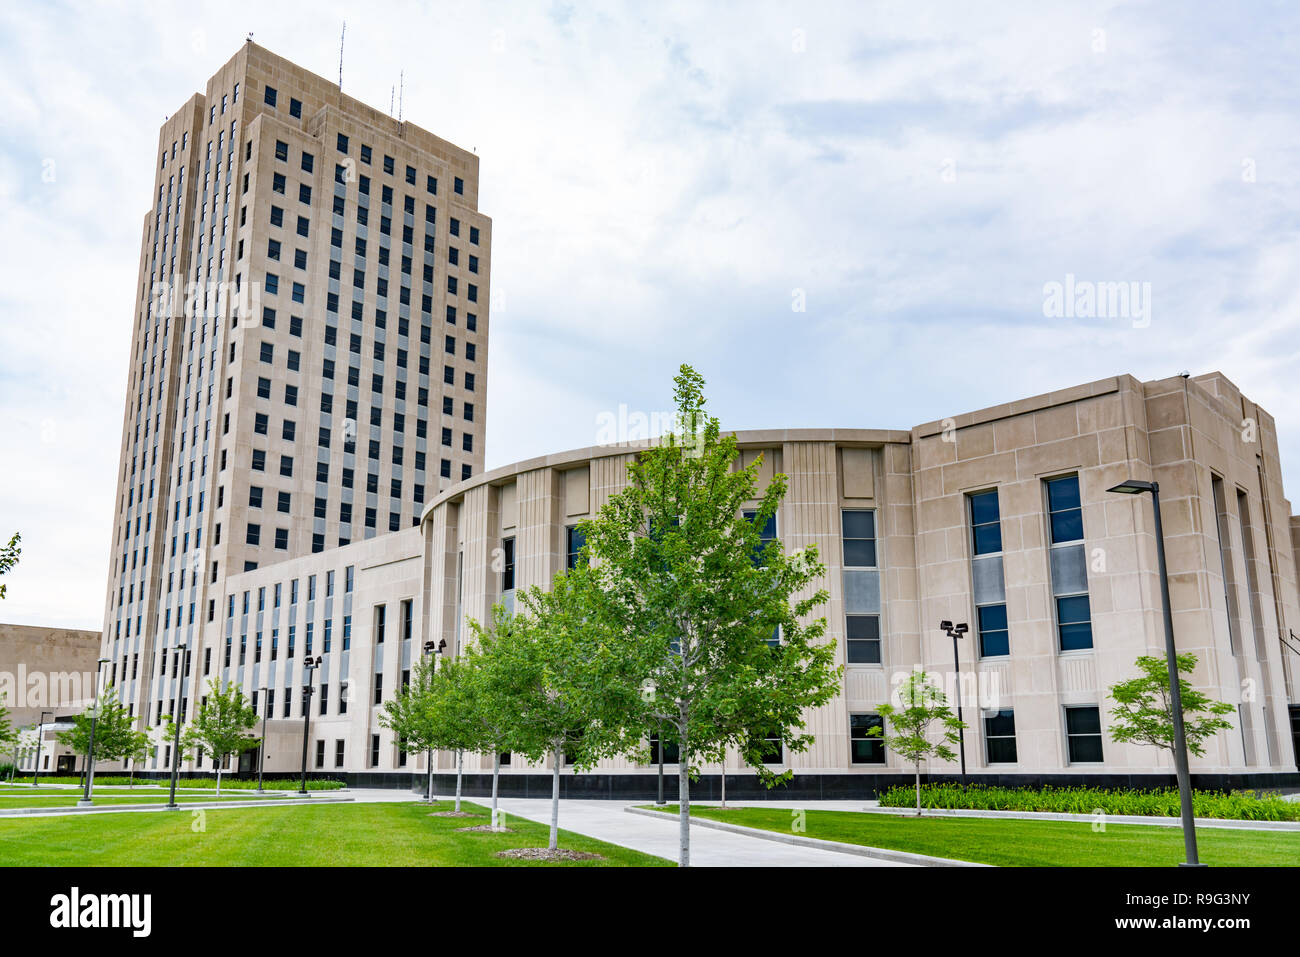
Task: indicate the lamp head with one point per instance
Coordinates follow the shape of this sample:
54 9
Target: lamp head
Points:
961 628
1132 487
946 625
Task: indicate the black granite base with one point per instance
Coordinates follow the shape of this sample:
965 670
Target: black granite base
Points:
804 787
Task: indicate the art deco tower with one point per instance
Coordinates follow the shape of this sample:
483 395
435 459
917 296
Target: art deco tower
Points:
329 375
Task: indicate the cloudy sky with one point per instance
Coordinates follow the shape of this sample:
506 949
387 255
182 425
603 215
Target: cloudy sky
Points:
842 214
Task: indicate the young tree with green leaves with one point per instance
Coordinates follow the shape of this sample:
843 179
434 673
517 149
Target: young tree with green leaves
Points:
453 716
716 621
572 689
8 733
499 685
1144 713
409 715
922 706
9 557
114 728
222 725
140 748
24 739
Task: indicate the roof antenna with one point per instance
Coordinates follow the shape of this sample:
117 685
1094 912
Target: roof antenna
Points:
342 36
401 84
392 98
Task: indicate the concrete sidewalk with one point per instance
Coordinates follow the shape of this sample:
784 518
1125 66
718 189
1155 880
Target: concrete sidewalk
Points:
608 821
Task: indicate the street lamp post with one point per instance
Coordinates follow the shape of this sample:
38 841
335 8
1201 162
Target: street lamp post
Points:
954 632
660 748
431 649
182 661
1135 487
40 733
90 749
309 664
261 748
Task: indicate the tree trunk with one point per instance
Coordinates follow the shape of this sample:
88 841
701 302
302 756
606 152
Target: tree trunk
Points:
460 764
428 791
496 773
555 798
724 776
218 779
918 788
683 799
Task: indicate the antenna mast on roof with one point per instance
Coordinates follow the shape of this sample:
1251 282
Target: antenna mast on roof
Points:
342 36
401 83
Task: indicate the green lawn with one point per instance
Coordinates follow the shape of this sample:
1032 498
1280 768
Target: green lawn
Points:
67 797
347 835
1017 843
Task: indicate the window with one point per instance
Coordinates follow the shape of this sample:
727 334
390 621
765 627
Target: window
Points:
379 688
862 637
1074 622
320 749
338 753
993 633
374 750
671 755
342 143
1065 511
1000 737
1083 734
459 186
986 525
858 527
508 569
254 536
863 747
270 96
575 539
767 534
1069 564
773 753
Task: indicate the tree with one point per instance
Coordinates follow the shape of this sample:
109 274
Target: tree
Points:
452 717
921 705
1144 713
9 557
114 729
409 714
221 727
572 690
23 741
499 685
139 749
715 619
8 733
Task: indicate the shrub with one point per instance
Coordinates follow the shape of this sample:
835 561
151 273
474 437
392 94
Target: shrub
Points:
1235 805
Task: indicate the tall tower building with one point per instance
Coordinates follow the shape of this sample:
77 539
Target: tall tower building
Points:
309 350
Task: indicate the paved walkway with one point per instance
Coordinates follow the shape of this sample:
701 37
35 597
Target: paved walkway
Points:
608 821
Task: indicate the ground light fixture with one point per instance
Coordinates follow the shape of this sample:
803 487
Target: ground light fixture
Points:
1137 487
90 749
180 666
309 664
955 632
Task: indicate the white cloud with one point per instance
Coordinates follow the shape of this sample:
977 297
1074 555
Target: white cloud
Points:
661 180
